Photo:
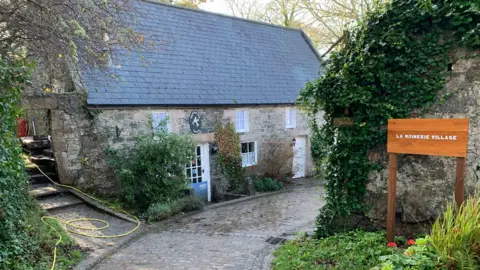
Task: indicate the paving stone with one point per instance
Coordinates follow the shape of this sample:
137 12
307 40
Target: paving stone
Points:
45 189
59 201
229 237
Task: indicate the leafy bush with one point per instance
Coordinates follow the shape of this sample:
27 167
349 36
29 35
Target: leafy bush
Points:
190 203
456 235
267 184
276 158
353 250
161 211
153 169
421 256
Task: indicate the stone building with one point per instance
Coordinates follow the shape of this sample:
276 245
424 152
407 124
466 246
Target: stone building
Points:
198 69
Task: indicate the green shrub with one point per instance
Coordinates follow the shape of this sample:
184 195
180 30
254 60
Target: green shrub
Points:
267 184
190 203
456 235
159 211
153 169
353 250
421 256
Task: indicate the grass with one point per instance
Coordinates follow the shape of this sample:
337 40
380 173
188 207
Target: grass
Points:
39 251
456 235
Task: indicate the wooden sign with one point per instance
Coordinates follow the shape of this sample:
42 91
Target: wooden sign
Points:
437 137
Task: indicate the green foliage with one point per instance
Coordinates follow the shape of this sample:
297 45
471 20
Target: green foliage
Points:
190 203
267 184
353 250
456 235
421 256
25 242
392 66
153 169
228 155
161 211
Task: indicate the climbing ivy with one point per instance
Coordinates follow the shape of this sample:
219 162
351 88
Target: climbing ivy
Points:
14 75
228 156
392 65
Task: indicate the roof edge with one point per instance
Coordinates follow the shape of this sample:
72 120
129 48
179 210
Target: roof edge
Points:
141 106
221 15
310 43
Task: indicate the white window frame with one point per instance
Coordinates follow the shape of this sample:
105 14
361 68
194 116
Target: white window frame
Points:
167 116
255 153
239 120
290 117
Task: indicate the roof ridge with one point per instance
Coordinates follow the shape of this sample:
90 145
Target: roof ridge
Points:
221 15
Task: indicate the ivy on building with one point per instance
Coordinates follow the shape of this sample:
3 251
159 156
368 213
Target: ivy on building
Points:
229 156
392 65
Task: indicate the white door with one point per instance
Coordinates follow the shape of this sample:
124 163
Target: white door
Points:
299 150
198 172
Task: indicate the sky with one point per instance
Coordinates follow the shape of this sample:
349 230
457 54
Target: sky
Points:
218 6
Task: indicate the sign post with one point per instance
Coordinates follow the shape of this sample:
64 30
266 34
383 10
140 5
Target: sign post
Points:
437 137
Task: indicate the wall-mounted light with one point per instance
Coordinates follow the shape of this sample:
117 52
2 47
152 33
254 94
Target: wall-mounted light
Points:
293 142
214 149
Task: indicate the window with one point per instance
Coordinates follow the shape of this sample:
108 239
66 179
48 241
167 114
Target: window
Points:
241 121
290 118
160 121
249 153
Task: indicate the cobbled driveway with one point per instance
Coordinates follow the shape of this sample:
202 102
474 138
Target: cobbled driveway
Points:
228 237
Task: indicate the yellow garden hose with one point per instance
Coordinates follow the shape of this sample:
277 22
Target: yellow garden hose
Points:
70 227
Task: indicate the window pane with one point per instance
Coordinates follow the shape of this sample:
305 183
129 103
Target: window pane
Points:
199 179
244 147
198 150
251 147
199 161
194 172
194 180
244 159
240 120
199 171
189 173
251 158
158 119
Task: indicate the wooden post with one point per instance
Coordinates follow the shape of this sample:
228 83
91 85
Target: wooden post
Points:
459 180
392 196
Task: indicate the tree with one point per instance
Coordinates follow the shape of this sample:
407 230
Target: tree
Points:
55 31
186 3
248 9
332 16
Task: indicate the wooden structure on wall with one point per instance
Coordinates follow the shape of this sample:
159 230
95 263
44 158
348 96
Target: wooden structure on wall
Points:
436 137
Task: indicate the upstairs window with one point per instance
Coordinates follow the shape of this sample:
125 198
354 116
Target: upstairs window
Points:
160 121
290 118
241 121
249 154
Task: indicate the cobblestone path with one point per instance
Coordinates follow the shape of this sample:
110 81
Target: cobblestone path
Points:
229 237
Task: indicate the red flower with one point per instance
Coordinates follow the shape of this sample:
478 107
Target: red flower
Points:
411 242
391 244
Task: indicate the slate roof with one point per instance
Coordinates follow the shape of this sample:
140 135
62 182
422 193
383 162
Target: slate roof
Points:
202 58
